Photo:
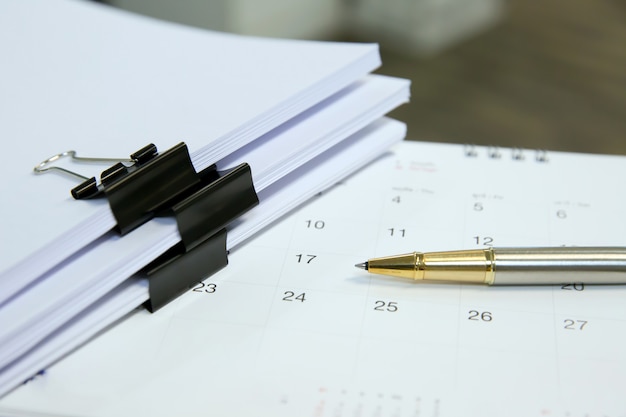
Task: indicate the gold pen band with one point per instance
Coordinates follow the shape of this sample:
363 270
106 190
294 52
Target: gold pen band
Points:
475 266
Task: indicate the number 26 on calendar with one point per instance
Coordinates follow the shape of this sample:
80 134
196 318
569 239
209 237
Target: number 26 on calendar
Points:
476 315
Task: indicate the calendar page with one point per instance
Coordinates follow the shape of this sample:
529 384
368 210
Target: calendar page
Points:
292 328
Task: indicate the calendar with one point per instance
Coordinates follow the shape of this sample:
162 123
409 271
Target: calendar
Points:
292 328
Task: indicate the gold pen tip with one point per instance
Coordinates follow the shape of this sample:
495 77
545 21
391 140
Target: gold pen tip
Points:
362 265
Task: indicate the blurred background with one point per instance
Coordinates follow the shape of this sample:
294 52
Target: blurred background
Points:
547 74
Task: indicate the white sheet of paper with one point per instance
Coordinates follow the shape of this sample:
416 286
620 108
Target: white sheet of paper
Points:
293 328
276 201
84 277
83 76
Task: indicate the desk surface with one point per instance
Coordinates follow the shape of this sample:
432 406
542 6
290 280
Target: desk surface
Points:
550 76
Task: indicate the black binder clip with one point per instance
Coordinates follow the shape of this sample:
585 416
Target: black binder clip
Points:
203 204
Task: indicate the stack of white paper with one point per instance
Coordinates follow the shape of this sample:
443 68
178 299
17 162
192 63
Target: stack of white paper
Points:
105 83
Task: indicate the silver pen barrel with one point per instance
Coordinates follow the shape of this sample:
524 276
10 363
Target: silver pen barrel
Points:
536 266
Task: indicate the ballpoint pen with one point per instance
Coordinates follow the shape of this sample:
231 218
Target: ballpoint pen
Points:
508 266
